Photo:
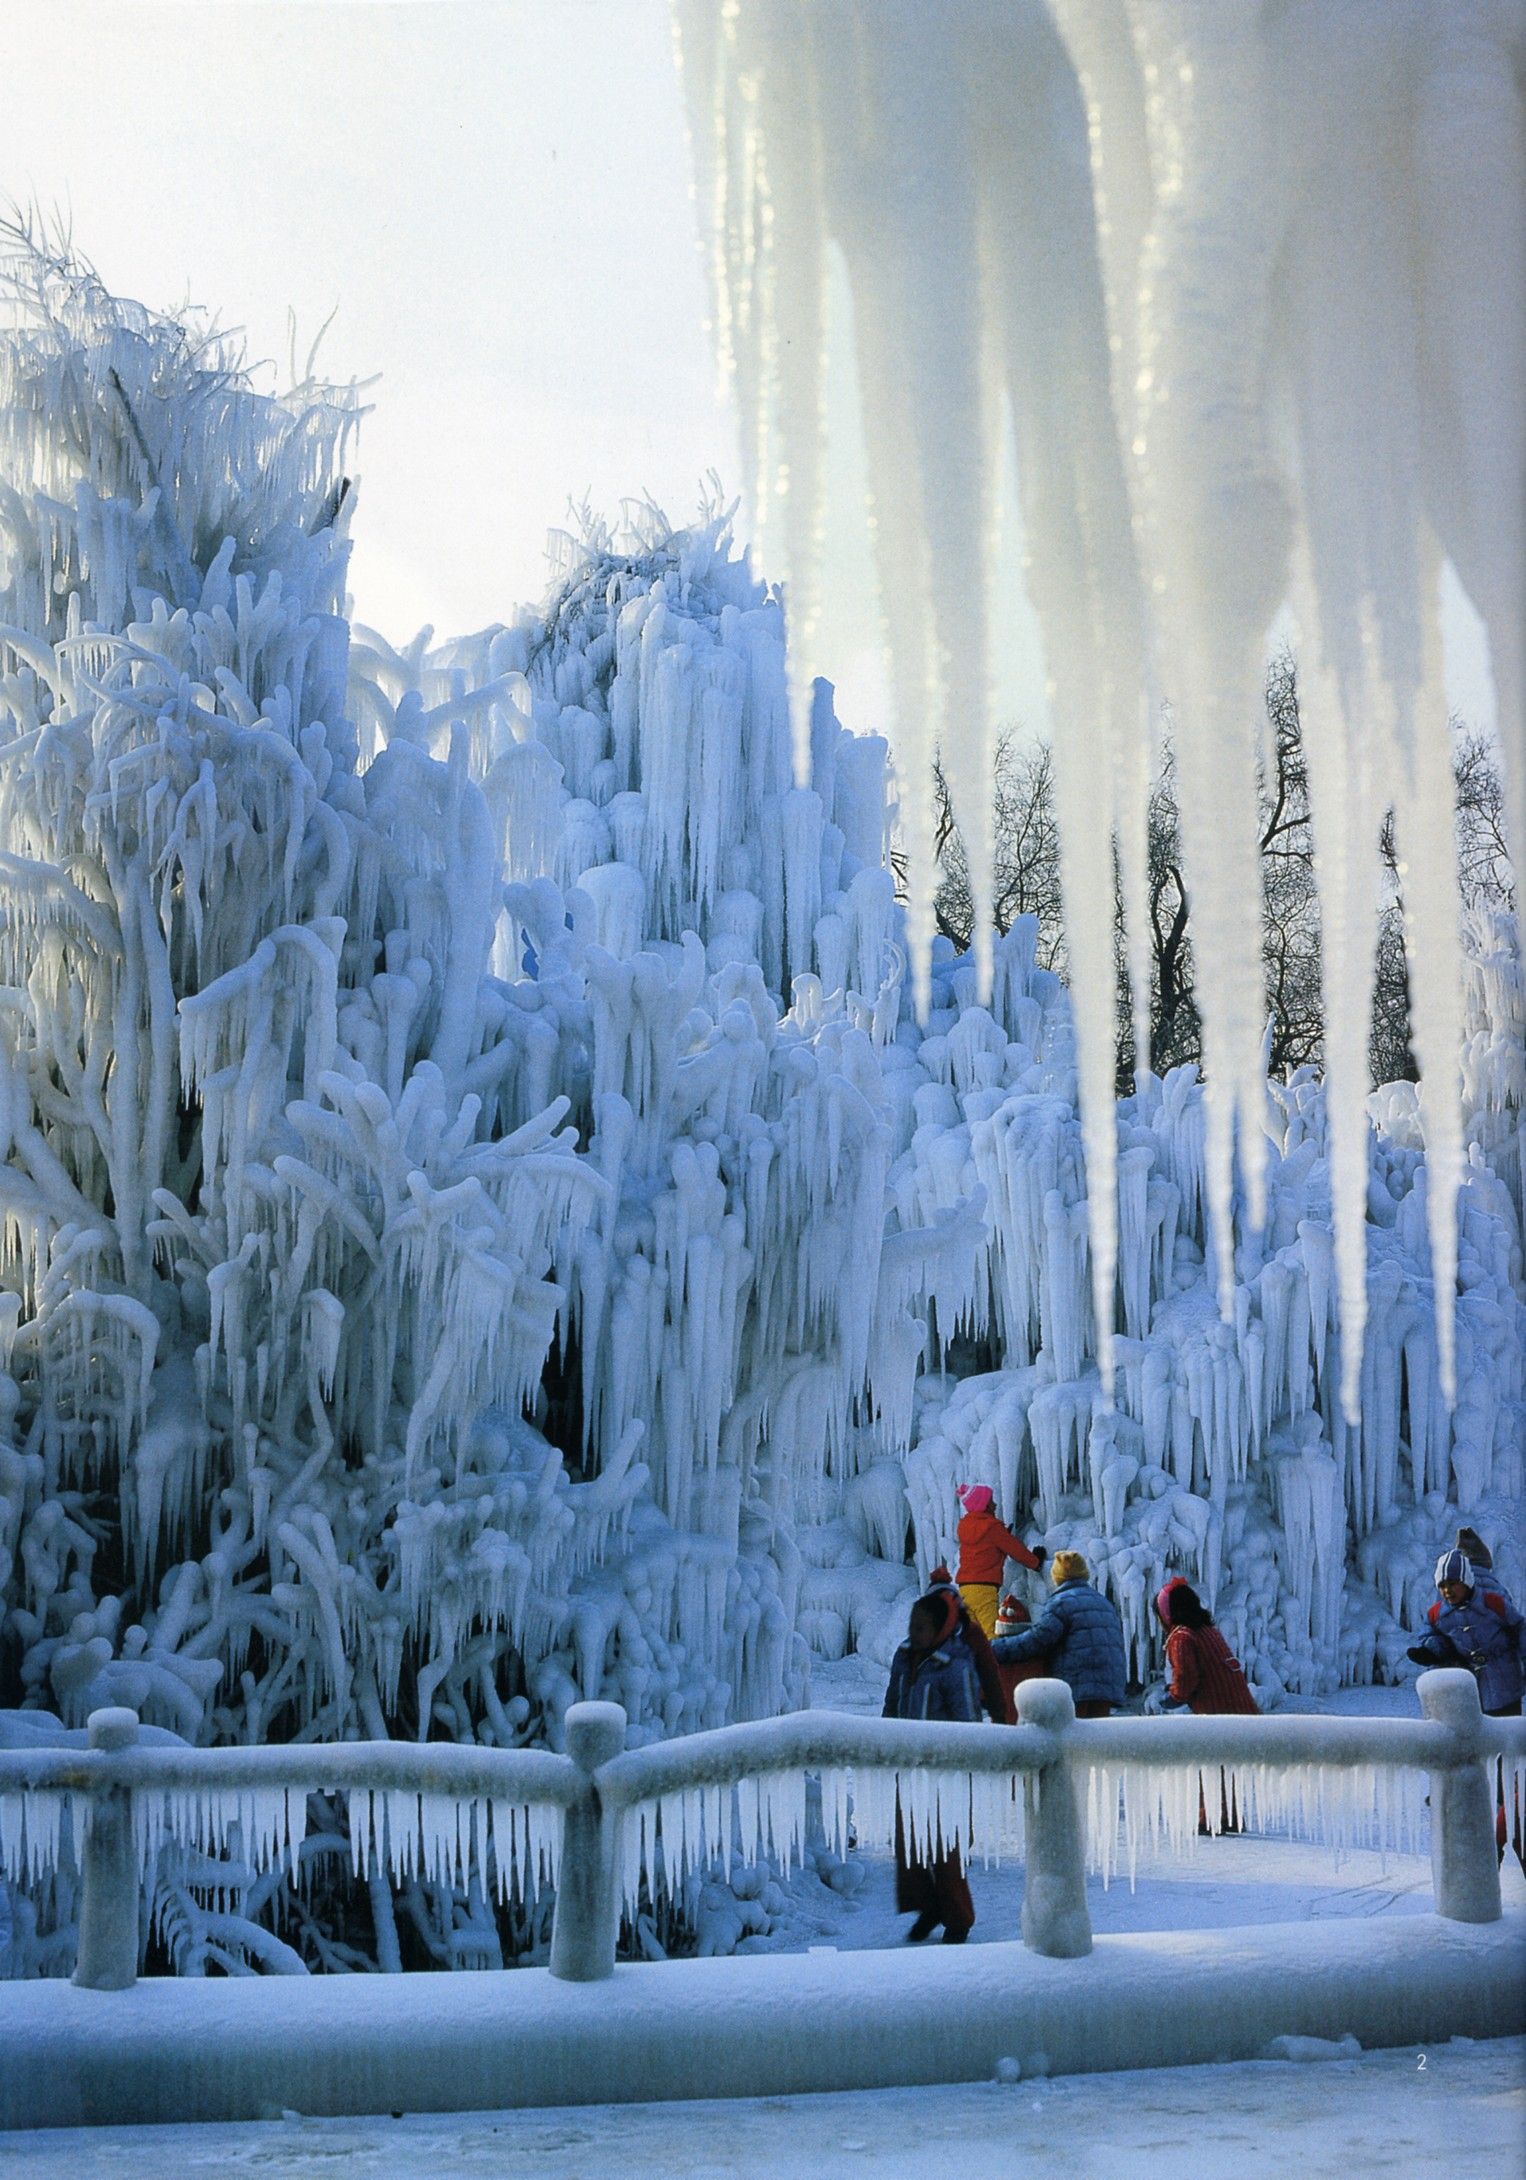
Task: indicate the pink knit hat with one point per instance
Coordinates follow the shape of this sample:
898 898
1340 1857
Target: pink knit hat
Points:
975 1498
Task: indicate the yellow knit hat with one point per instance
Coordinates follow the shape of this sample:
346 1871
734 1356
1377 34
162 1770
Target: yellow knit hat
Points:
1068 1567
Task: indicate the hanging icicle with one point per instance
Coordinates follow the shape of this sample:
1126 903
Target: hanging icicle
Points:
1218 398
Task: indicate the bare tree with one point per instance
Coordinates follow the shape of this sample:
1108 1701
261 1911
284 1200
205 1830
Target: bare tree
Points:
1027 873
1028 882
1483 860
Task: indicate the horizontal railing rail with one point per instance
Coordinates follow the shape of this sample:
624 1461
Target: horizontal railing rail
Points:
954 1786
816 1741
426 1767
1340 1743
1505 1737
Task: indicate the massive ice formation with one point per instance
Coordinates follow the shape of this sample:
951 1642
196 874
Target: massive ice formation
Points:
346 1391
1246 280
484 1222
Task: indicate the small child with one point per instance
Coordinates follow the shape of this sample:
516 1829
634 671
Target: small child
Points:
1205 1674
1012 1614
985 1546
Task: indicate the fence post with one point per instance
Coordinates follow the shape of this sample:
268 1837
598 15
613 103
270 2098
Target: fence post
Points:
108 1916
587 1919
1465 1873
1055 1916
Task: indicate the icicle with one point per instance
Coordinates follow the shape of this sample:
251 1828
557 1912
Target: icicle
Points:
1154 1809
359 1814
1142 355
34 1825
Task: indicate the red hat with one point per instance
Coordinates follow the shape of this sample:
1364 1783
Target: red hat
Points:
940 1578
1012 1609
1163 1597
975 1498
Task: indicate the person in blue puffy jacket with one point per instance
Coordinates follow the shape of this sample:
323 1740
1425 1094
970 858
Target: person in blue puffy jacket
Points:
1079 1636
1475 1625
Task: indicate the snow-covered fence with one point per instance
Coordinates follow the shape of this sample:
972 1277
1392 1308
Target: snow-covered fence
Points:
591 1821
430 1808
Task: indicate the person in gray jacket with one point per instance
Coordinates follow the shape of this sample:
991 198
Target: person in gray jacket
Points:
1078 1635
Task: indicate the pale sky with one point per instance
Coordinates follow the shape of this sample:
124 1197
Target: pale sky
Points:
492 198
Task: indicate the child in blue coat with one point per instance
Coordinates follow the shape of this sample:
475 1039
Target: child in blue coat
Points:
1475 1625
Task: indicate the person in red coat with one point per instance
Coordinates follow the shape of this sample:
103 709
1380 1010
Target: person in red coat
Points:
1204 1676
985 1546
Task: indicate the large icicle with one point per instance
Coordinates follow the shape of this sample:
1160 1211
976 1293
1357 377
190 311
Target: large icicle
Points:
1266 387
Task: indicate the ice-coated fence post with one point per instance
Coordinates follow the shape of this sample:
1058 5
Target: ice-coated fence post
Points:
587 1920
108 1915
1465 1873
1055 1916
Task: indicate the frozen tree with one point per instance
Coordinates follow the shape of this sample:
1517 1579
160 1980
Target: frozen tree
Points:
278 1229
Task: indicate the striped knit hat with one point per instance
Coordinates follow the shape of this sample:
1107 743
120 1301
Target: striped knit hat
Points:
1454 1566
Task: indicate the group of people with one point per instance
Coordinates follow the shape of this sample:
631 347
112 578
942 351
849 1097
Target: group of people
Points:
968 1647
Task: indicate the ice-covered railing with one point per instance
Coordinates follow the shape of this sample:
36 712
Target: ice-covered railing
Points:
961 1784
601 1822
431 1810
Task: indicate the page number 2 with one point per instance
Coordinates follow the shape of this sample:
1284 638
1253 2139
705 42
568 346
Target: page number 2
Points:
1420 2067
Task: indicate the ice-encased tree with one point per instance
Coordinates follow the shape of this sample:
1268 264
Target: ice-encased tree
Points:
272 1242
295 1229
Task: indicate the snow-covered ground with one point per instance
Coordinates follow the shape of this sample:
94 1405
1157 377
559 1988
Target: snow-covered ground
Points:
1386 2113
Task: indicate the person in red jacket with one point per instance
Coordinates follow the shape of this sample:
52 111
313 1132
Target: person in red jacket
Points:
985 1546
1204 1676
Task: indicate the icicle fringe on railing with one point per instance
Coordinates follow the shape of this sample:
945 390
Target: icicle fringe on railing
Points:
449 1841
672 1836
268 1825
34 1827
1147 1809
605 1825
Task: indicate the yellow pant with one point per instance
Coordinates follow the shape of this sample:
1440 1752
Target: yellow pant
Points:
980 1597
